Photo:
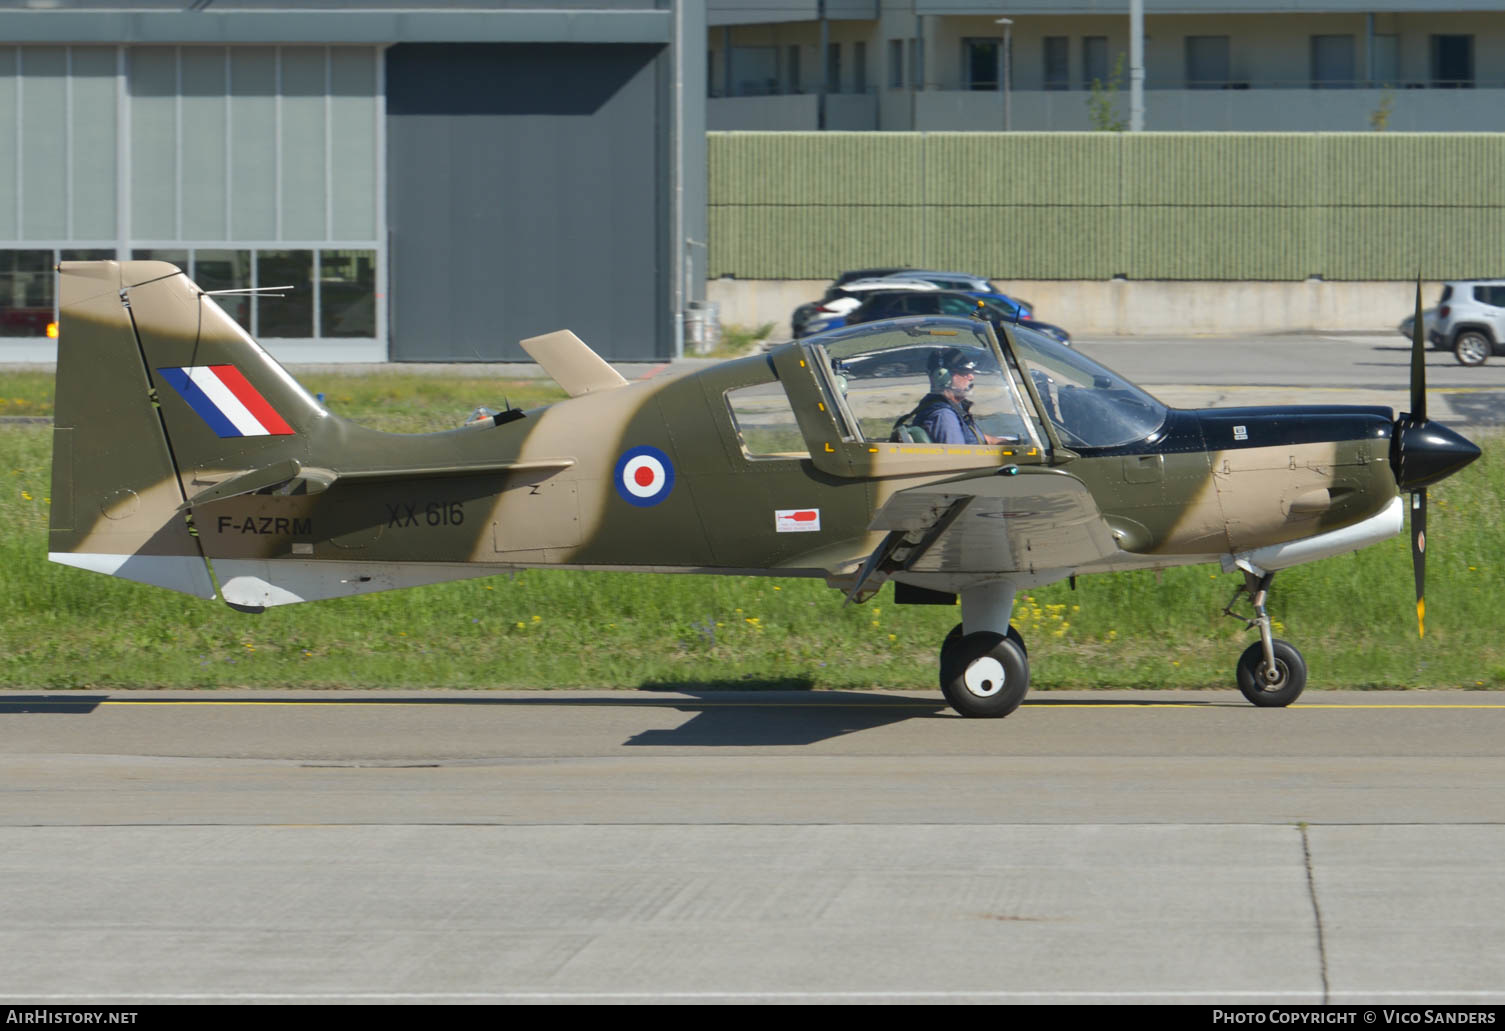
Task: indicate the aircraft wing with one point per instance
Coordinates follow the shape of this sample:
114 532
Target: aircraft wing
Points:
998 523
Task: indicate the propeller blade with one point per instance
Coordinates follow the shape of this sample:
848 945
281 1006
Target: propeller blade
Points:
1418 361
1419 555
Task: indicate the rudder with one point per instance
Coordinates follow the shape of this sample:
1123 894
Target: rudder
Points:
160 396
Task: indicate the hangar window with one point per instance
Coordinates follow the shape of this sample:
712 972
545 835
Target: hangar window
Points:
26 293
226 270
347 293
175 255
292 314
196 155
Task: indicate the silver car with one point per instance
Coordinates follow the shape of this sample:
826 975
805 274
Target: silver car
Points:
1469 320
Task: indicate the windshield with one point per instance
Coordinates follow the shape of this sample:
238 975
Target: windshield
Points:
1090 405
885 372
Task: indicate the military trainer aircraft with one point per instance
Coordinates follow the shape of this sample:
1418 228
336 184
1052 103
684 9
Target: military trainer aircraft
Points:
184 456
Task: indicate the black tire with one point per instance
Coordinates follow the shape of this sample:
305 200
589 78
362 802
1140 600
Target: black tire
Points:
1013 635
1283 691
983 675
1472 347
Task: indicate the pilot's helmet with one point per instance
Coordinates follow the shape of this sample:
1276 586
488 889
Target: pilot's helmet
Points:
946 363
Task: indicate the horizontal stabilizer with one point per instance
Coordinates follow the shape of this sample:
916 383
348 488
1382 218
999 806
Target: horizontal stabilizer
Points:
248 483
543 465
291 477
574 366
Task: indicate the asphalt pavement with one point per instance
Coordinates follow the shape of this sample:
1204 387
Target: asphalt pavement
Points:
1114 847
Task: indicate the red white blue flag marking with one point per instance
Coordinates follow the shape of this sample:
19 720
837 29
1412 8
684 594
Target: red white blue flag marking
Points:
225 399
644 476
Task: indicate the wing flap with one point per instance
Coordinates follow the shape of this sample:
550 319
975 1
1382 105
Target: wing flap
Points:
1029 521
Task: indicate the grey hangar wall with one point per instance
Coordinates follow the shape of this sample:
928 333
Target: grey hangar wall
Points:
436 183
526 188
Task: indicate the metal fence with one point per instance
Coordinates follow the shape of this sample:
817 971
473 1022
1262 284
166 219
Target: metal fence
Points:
1204 206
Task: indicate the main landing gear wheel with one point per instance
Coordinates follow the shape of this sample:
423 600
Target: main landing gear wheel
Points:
1013 635
1271 688
985 674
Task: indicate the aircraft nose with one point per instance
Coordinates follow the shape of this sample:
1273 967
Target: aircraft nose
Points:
1423 452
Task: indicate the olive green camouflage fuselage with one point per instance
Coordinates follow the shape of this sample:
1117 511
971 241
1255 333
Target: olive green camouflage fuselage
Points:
144 486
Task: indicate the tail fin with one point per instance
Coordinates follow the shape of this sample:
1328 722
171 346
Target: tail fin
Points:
160 396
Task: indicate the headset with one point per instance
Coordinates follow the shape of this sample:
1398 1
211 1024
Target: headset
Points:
947 363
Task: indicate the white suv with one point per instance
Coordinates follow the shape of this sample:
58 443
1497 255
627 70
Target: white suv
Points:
1470 320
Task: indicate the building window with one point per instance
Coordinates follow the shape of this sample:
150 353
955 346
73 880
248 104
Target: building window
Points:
895 63
793 70
347 293
859 67
292 314
1333 65
1385 62
1057 62
833 67
755 71
916 65
1452 62
226 270
1094 61
26 293
980 62
173 255
1207 62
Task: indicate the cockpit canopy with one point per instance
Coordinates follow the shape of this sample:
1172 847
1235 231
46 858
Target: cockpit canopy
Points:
880 372
1089 404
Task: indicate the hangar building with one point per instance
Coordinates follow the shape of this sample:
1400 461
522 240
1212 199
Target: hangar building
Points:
436 183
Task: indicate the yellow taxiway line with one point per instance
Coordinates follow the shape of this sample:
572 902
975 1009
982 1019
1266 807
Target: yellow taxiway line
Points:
1036 703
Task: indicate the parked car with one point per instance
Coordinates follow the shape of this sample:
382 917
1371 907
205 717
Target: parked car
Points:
1469 320
805 312
830 311
893 304
964 283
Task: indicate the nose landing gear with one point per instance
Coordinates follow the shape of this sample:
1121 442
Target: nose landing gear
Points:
1271 673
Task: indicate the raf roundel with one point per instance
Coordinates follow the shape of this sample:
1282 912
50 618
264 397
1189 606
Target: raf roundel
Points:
644 476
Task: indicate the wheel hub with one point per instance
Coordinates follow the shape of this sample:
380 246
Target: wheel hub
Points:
985 677
1273 676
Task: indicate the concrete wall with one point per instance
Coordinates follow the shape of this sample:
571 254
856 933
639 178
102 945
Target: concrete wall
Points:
845 112
792 113
1119 307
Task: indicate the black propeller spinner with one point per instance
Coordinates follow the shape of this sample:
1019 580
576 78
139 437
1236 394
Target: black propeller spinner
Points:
1421 453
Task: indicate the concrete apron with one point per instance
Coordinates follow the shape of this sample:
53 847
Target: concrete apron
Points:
1124 307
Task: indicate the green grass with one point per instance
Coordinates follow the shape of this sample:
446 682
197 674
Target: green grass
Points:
1352 616
737 341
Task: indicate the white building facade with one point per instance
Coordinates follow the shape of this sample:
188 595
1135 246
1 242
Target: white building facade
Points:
1209 65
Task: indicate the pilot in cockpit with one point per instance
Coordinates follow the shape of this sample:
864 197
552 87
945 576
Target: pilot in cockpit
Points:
946 412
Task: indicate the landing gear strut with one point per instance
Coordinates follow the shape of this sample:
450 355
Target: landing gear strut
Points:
985 670
1271 673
